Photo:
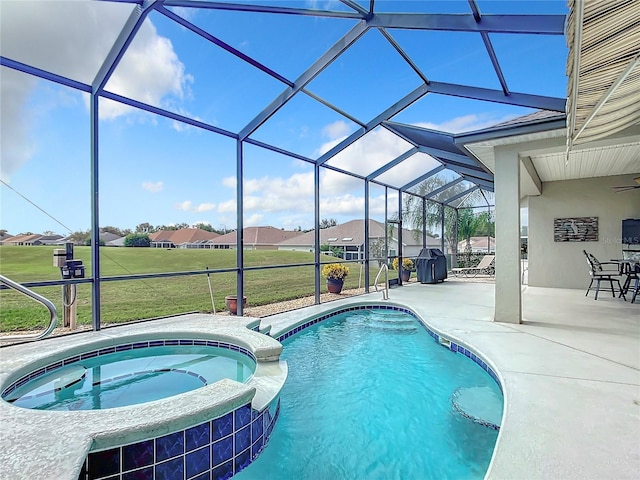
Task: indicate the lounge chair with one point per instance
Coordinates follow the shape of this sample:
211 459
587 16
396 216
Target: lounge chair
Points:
485 267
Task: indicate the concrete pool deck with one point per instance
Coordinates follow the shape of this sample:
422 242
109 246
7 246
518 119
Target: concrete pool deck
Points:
570 372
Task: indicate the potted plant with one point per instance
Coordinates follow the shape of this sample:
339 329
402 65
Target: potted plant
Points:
231 302
407 268
335 274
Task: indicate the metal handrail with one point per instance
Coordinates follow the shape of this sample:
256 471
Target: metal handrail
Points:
385 293
39 298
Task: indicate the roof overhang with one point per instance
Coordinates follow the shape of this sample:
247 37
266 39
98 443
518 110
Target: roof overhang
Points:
603 67
542 151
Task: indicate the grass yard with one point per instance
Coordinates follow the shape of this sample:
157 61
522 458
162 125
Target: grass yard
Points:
126 300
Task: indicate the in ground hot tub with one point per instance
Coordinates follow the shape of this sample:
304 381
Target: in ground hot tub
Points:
176 398
129 374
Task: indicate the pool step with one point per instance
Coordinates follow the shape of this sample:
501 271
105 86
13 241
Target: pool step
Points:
481 405
390 324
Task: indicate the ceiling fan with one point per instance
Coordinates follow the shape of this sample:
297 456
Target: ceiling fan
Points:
623 188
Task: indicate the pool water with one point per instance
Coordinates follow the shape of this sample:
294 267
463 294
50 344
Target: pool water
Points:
131 377
369 396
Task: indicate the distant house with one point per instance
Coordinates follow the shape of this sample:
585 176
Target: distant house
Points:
33 239
349 238
255 238
478 245
183 238
105 237
116 242
4 236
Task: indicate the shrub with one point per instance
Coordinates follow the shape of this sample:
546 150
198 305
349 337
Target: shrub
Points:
137 240
336 271
407 264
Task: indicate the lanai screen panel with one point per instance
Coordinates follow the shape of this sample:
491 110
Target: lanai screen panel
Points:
31 35
370 152
413 167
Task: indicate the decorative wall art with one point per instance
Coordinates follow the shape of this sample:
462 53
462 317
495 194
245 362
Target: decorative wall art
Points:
578 229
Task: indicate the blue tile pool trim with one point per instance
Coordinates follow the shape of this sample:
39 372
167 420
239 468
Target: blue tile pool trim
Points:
216 450
119 348
448 343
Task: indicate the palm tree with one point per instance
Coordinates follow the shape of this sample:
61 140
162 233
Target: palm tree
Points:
412 210
468 225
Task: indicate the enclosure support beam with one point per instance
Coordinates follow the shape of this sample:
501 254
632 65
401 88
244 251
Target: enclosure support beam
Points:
424 223
366 236
316 236
442 207
95 215
508 298
240 228
399 237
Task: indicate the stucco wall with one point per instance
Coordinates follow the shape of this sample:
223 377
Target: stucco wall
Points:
562 264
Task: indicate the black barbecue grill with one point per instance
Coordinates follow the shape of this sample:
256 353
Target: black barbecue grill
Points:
431 266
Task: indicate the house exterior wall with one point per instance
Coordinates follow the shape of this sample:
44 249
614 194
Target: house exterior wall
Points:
562 264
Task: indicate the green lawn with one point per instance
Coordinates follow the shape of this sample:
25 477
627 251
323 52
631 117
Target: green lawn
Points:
127 300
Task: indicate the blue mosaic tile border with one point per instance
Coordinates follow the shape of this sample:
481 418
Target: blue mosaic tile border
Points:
120 348
452 346
213 450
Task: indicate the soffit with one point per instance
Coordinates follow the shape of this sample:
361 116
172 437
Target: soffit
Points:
618 154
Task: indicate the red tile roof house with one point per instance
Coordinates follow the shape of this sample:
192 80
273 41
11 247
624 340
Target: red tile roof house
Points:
4 236
349 236
184 238
255 238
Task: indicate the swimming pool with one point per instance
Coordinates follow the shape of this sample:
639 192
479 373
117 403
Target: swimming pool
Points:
369 395
131 374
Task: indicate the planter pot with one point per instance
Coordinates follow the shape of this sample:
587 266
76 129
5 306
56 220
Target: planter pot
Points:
405 275
231 301
334 285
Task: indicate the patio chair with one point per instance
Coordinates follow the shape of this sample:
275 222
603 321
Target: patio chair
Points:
600 274
485 267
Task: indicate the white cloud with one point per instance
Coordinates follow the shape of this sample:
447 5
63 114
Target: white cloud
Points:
343 205
72 39
229 182
253 220
466 123
188 206
339 129
205 207
17 142
364 156
295 186
228 206
185 206
186 13
149 71
153 187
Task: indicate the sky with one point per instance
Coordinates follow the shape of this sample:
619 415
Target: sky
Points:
160 171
